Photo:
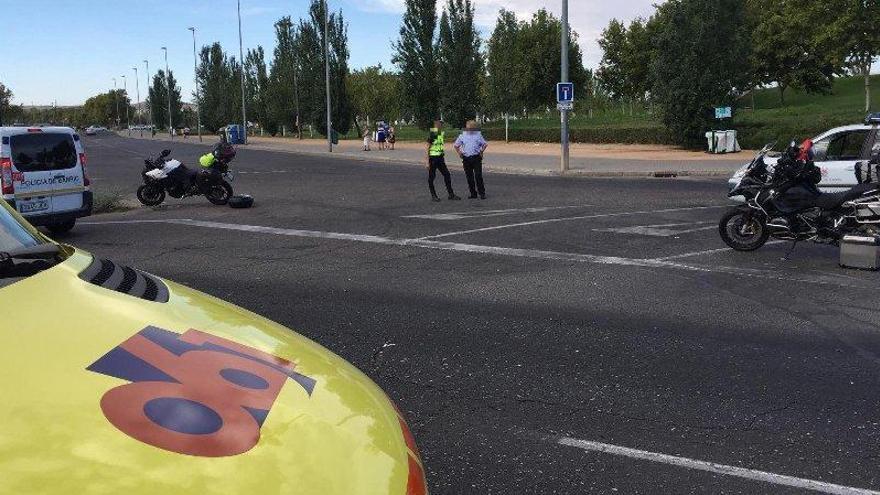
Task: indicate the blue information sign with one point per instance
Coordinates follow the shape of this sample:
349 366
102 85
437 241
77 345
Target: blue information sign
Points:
565 92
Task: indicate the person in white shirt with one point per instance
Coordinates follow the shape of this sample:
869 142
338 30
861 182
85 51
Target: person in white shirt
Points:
470 146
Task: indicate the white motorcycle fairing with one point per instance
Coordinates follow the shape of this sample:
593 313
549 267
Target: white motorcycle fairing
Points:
161 173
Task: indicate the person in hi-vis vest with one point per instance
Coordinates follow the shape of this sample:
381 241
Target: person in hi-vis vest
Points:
437 161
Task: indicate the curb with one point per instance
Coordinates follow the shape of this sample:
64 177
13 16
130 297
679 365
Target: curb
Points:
498 169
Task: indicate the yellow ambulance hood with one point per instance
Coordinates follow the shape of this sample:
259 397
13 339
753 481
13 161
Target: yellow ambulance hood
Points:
105 392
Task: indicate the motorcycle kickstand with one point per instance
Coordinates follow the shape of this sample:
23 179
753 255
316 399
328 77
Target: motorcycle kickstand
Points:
790 250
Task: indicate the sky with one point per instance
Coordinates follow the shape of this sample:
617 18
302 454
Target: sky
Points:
68 50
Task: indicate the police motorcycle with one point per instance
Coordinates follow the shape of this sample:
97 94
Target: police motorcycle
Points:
783 202
163 175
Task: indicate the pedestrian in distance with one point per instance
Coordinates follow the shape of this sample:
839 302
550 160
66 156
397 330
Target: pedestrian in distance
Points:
437 161
380 136
367 136
392 138
470 146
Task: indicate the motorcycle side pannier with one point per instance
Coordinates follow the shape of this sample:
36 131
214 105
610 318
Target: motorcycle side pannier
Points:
861 252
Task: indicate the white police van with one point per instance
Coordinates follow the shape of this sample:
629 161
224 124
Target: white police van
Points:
836 154
43 177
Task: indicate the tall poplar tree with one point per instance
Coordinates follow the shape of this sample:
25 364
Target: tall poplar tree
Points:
461 63
414 58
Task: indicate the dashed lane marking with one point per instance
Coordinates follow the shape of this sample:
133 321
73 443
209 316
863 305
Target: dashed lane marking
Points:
712 467
506 251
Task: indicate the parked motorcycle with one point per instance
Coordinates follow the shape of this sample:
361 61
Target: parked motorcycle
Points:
163 175
783 202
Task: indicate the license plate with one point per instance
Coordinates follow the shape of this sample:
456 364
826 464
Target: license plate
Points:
34 206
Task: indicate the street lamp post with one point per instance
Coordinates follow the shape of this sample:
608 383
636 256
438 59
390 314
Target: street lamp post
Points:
149 107
241 55
564 55
196 79
125 92
327 73
116 100
168 86
137 85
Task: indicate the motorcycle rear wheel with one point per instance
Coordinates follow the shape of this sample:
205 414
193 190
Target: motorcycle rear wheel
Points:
743 231
219 193
150 195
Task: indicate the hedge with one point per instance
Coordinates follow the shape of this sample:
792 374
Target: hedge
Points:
601 135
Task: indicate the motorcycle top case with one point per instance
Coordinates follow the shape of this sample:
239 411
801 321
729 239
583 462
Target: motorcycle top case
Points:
861 252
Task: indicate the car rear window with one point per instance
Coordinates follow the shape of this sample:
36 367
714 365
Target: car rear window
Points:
38 151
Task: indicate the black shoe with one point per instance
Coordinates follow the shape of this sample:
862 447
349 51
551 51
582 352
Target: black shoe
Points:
435 199
472 196
453 197
482 196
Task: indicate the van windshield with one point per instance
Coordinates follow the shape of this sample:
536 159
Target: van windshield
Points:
42 152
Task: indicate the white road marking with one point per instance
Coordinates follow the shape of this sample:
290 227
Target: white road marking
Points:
570 219
506 251
491 213
664 230
685 462
707 251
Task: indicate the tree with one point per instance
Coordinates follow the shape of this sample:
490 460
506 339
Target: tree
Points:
283 93
101 108
414 58
612 73
176 101
636 59
503 84
854 31
157 100
257 86
538 71
702 47
786 46
374 94
461 63
5 102
220 90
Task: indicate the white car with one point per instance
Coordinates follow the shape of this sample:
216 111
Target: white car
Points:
92 130
836 153
43 177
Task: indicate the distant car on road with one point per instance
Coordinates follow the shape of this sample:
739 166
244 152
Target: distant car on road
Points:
43 175
92 130
144 386
836 153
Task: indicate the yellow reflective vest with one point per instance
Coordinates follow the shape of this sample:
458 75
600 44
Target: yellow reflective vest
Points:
207 160
436 148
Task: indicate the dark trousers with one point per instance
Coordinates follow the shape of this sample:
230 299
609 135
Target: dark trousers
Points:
435 164
473 169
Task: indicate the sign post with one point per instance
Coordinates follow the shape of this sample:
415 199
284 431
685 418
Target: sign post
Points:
564 83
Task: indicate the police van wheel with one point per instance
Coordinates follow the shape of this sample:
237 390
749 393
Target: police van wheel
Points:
61 227
150 195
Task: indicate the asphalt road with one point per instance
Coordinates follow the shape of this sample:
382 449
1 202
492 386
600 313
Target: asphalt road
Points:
560 310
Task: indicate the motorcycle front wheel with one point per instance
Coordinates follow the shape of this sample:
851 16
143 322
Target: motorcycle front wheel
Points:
219 193
151 195
743 230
